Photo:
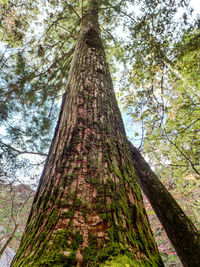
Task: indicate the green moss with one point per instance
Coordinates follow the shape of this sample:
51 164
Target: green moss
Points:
77 168
45 199
118 173
90 253
85 215
94 257
100 206
80 157
120 261
77 202
60 239
68 179
77 240
89 256
42 237
67 214
76 139
54 259
92 180
100 189
103 216
92 240
52 219
113 233
108 190
58 202
53 255
118 195
71 176
64 203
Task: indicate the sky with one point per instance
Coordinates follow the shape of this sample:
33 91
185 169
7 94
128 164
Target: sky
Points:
196 6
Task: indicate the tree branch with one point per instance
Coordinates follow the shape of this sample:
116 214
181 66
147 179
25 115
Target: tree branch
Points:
22 152
181 152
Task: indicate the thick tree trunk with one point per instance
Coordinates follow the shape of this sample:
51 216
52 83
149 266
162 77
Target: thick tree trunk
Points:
88 209
181 232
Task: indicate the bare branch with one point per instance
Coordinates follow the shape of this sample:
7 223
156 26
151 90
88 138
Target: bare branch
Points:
181 152
22 152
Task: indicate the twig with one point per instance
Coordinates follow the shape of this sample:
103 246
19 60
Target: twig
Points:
181 152
22 152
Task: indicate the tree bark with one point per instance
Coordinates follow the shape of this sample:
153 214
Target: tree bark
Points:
88 209
180 230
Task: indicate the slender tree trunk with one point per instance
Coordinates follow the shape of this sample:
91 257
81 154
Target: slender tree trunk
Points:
10 238
88 209
181 231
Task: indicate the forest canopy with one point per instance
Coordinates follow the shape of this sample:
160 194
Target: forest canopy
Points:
152 48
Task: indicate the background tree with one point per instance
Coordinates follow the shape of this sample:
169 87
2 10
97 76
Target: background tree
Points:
17 200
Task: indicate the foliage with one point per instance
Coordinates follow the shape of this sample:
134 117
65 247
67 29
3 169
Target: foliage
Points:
37 44
17 200
170 119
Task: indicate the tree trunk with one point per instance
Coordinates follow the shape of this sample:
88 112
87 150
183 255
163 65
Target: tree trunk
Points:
181 232
10 238
88 209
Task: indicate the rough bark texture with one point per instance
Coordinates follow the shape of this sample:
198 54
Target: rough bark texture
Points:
88 210
181 232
